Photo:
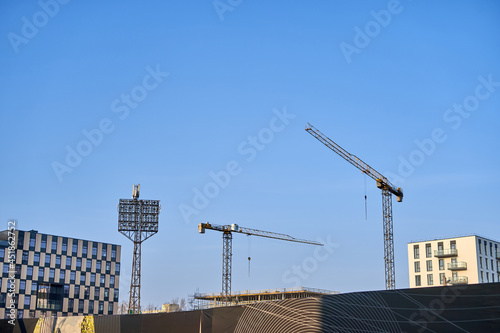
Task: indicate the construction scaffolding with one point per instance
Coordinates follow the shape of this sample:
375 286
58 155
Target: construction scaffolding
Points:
213 300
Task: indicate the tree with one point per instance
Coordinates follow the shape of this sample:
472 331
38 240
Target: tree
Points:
123 308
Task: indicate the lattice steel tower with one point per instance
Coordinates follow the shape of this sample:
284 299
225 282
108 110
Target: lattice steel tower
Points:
137 220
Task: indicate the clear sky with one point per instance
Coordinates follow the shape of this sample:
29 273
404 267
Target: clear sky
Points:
98 96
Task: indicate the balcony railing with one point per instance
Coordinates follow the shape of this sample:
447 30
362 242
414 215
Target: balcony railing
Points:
457 266
459 280
446 253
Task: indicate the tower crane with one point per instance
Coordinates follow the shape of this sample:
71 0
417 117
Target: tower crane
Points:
227 253
387 189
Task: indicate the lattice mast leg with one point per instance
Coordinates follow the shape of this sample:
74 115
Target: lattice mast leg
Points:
390 275
227 254
134 304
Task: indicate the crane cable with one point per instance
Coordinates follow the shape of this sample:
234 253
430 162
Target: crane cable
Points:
249 258
366 207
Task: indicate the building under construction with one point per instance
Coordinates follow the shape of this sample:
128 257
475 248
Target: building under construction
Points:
206 301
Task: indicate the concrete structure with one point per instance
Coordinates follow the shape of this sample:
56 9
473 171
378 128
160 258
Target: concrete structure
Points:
165 308
57 276
256 296
460 260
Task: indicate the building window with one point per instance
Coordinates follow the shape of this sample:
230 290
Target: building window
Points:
82 278
84 250
101 307
54 244
40 273
91 307
5 268
2 254
89 264
485 248
20 314
417 280
441 264
92 277
47 259
72 277
491 249
32 242
106 294
480 262
58 260
43 245
113 254
50 297
66 290
34 287
80 306
416 252
52 273
492 267
98 266
62 276
112 281
108 267
482 277
104 251
102 280
86 293
68 262
479 245
27 300
487 277
78 263
117 268
70 305
64 246
115 298
25 257
22 286
97 293
94 249
36 259
74 249
440 246
29 272
110 308
428 264
76 292
486 263
442 278
430 280
453 245
428 251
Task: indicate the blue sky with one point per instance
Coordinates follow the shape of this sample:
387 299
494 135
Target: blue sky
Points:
171 93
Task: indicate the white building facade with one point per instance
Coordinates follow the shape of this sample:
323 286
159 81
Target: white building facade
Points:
453 261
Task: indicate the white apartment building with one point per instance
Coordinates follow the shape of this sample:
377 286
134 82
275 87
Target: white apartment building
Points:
453 261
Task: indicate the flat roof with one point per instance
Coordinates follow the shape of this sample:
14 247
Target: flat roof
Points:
463 236
4 236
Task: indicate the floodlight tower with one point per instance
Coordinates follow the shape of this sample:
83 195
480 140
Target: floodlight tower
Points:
137 220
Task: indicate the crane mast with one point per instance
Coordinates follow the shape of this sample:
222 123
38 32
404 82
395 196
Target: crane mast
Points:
227 253
387 190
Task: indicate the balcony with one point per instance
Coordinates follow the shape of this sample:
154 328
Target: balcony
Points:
458 280
446 253
457 266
